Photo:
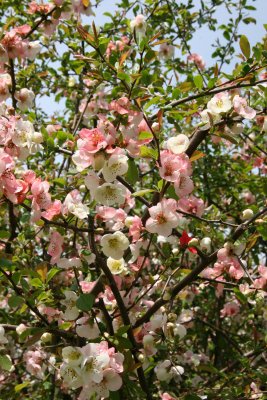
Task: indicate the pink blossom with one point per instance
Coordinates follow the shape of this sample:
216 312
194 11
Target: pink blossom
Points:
173 166
191 205
163 217
241 108
121 106
55 246
93 140
53 210
87 286
183 186
166 396
197 59
230 309
135 228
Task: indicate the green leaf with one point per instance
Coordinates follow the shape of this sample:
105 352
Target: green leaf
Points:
5 363
124 77
4 262
192 397
145 135
198 81
245 46
230 138
85 302
65 326
51 273
21 386
122 330
4 234
185 86
124 343
142 192
148 152
114 395
132 175
240 296
36 282
15 301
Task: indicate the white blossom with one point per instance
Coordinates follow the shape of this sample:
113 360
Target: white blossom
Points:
114 245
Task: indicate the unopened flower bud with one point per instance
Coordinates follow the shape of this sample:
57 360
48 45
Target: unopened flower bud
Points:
205 244
46 337
175 251
21 328
37 137
155 126
172 317
247 214
72 81
193 242
141 357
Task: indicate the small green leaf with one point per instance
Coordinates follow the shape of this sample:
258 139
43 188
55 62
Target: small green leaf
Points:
245 46
51 273
198 81
21 386
36 282
145 135
65 326
124 77
132 173
122 330
15 301
5 363
4 262
142 192
114 396
124 343
240 296
148 152
85 302
230 138
4 234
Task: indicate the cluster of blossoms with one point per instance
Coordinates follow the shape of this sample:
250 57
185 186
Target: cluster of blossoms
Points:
14 45
225 103
95 368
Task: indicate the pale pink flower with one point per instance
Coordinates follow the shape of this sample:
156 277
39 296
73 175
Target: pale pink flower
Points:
55 246
73 204
166 396
40 196
241 107
138 24
169 169
183 186
121 106
53 210
220 103
163 218
166 51
191 205
230 309
25 99
197 59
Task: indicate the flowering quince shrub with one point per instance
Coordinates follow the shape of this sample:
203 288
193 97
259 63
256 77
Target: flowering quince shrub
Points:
133 215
